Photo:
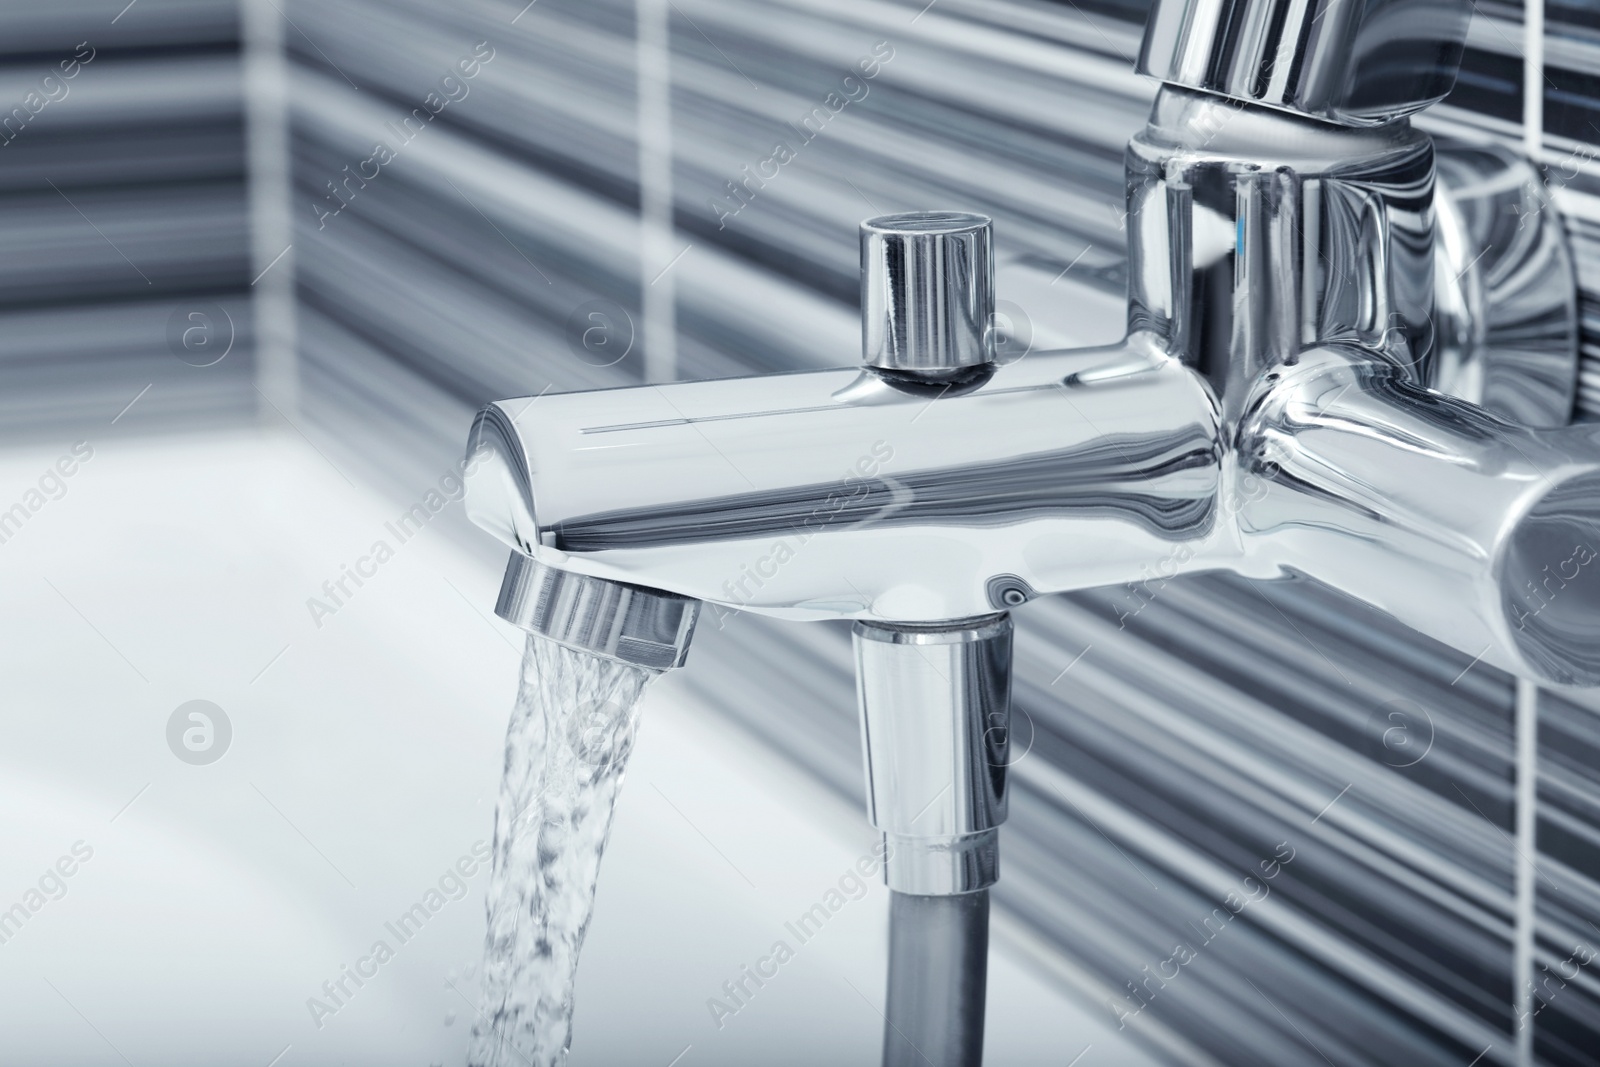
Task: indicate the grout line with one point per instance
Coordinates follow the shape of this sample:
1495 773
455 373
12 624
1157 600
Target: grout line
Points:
658 303
1533 80
1526 915
265 73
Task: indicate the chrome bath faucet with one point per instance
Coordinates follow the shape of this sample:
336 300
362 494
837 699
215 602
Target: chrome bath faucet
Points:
1351 355
1293 395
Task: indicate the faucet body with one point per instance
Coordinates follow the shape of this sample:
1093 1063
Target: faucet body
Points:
834 494
1268 413
1335 366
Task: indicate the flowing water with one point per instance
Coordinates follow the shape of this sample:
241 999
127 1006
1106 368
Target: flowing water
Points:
566 749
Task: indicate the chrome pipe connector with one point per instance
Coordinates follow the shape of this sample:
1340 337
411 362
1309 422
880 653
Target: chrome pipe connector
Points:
1506 312
628 623
935 725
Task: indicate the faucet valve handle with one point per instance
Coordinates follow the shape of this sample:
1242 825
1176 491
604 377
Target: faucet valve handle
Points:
1355 64
927 295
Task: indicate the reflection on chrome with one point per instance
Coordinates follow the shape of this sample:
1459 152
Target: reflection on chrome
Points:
869 502
1336 365
1359 64
1286 327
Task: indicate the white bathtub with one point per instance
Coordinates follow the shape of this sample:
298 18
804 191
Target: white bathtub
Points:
208 903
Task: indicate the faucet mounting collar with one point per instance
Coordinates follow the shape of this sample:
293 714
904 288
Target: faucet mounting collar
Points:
935 720
630 623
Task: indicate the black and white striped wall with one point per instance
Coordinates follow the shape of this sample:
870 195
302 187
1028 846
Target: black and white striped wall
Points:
1429 886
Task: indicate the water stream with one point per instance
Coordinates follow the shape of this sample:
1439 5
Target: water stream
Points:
566 749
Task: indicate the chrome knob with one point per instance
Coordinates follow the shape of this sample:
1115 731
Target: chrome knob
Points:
927 294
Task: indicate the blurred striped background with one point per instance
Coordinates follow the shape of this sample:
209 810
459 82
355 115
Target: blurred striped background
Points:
1224 726
121 199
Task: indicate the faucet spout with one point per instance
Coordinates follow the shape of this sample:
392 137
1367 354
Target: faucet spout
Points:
839 494
632 624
